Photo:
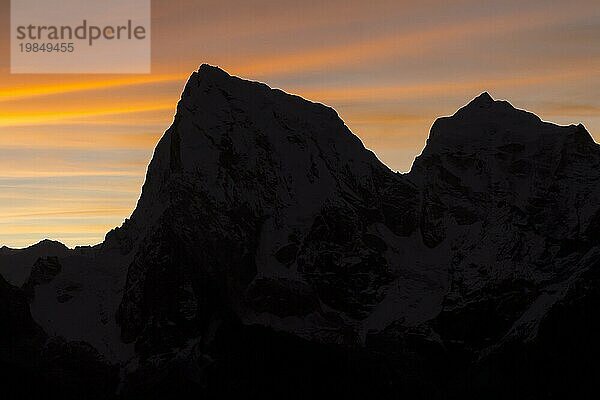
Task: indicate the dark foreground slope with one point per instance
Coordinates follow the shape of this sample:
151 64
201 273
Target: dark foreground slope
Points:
270 253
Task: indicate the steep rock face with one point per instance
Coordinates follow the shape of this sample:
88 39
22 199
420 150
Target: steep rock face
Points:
252 190
44 270
514 200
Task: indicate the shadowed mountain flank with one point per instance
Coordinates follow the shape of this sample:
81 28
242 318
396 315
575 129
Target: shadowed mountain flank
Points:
271 253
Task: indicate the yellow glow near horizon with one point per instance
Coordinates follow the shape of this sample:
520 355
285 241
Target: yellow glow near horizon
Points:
24 92
52 117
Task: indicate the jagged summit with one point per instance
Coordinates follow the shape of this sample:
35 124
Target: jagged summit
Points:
207 73
485 124
485 106
216 73
234 134
483 100
209 76
211 69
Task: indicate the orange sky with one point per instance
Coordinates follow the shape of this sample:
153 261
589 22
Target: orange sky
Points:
74 148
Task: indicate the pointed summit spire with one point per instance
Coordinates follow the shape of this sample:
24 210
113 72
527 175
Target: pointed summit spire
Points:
484 99
207 69
485 96
205 72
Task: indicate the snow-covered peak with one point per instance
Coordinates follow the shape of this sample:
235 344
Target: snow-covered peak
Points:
234 135
270 177
489 125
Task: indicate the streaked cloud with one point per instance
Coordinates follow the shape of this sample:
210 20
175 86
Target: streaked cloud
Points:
74 148
572 110
28 91
43 117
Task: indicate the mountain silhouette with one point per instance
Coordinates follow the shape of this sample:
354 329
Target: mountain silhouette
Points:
272 254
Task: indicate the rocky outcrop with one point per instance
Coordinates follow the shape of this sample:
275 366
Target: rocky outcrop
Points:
43 271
